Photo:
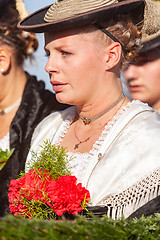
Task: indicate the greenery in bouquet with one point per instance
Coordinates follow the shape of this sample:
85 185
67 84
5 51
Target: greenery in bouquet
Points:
47 190
4 156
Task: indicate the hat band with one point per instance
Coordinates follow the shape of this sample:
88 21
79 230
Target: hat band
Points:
99 26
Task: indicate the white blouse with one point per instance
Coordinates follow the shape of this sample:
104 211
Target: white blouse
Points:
79 162
4 142
122 171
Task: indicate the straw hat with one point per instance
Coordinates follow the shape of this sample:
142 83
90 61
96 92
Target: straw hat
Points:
151 36
64 14
151 27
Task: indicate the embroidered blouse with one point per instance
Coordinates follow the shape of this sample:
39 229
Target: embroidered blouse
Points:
80 161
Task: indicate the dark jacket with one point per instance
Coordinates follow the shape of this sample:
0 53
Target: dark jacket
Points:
36 104
148 209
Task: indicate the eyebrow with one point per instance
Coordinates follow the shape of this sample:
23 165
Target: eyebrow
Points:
61 46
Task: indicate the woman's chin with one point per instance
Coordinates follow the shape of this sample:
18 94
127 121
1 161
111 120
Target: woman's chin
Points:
63 100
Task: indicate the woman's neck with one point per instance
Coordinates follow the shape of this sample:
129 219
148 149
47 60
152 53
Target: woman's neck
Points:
11 87
104 101
156 106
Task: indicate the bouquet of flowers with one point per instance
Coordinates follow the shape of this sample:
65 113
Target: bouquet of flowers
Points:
48 190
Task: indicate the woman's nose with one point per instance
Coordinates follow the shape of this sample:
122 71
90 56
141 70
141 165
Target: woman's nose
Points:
130 72
52 65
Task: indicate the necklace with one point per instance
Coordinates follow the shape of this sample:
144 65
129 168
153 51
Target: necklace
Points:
89 120
77 145
10 108
85 140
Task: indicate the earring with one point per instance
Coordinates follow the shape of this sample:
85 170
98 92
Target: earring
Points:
108 67
2 70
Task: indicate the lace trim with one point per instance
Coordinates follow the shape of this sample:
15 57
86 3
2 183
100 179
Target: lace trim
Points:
133 197
65 125
99 142
4 142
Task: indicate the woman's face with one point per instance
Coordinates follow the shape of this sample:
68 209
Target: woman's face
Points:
143 78
76 67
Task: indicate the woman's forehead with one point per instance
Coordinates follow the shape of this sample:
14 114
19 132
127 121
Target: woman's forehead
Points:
67 35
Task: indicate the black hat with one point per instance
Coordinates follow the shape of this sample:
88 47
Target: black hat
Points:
75 13
150 45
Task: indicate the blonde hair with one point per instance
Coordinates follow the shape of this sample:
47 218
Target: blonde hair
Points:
129 35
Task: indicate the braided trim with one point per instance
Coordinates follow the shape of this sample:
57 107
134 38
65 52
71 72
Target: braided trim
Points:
132 198
61 10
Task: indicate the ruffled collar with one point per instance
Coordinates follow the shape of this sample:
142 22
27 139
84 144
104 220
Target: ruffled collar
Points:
97 145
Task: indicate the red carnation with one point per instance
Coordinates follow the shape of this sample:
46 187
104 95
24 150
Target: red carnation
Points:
38 188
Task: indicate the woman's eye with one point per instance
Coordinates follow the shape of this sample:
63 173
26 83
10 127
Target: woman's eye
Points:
64 53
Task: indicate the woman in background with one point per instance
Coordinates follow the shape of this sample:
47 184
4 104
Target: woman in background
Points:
17 88
143 74
143 80
24 102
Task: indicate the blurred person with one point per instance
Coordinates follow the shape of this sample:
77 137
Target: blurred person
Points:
143 74
143 81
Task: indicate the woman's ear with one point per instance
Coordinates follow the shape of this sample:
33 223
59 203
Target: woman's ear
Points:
113 56
5 60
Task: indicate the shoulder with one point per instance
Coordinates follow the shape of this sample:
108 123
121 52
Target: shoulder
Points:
56 118
137 128
47 128
145 118
140 136
49 125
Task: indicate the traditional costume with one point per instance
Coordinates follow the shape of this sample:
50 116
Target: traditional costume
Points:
122 170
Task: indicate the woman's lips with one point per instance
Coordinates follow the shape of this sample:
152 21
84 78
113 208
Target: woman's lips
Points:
57 86
135 88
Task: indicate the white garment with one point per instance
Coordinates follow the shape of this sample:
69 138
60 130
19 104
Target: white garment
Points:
121 161
4 142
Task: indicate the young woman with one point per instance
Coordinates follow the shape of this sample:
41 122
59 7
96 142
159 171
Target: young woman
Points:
114 143
143 74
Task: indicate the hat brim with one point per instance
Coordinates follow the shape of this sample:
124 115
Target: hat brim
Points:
150 45
35 22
